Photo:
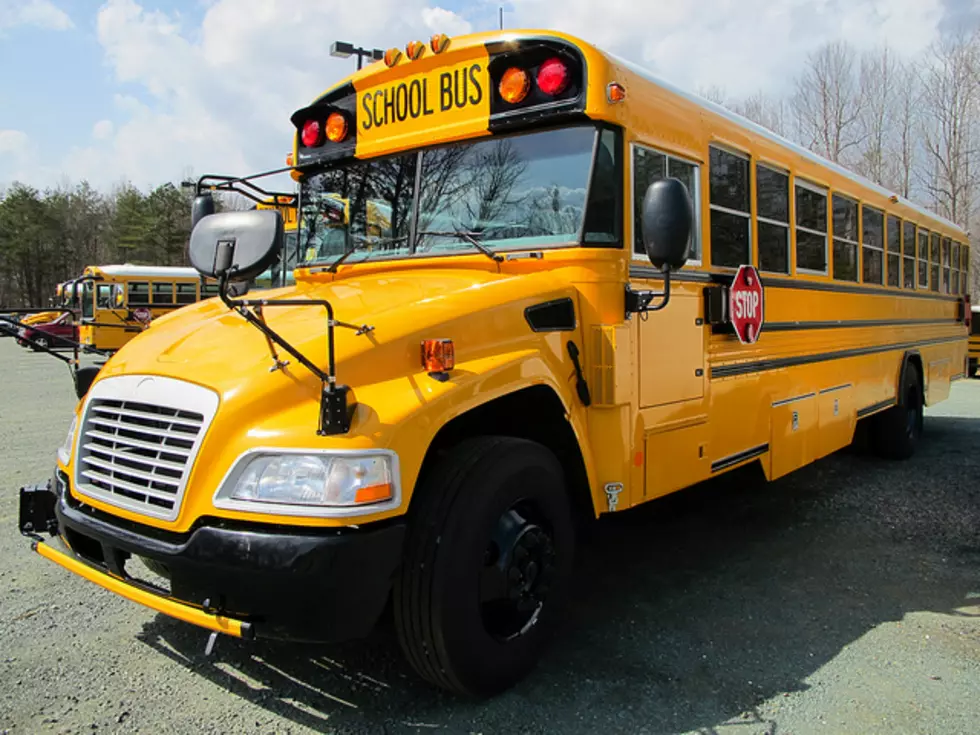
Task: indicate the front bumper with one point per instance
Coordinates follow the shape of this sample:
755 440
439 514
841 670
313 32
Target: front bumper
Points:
257 580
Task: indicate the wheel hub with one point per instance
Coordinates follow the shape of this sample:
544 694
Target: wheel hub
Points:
518 573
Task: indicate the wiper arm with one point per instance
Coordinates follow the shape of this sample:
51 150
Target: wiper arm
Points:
469 237
332 268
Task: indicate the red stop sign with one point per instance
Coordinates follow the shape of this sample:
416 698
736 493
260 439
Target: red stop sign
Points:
746 304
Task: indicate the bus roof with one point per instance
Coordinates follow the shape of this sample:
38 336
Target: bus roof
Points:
146 271
780 140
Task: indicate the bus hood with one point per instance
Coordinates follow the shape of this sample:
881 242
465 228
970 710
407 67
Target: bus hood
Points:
208 344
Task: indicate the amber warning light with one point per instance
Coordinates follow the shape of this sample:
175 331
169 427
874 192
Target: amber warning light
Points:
438 355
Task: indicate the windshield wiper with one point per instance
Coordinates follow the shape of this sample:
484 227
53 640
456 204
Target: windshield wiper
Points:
332 268
469 237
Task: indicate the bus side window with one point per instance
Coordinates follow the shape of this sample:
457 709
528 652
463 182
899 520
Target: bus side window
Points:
163 294
730 210
923 259
893 241
908 250
209 290
103 296
946 274
186 293
650 165
845 238
139 294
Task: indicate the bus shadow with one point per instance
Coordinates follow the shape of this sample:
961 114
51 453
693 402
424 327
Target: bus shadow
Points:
688 614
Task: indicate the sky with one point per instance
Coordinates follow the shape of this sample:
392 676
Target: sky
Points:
149 91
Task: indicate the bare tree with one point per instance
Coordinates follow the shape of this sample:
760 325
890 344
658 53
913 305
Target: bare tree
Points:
827 102
769 112
950 105
876 113
714 93
905 119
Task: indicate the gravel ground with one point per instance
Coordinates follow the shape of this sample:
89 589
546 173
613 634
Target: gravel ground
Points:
844 598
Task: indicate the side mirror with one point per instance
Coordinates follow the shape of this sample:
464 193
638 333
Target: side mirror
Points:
240 245
667 221
202 206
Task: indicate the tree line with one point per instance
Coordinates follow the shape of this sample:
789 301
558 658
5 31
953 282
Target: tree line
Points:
911 125
47 237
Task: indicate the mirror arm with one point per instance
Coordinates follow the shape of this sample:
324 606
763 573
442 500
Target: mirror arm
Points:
335 416
641 302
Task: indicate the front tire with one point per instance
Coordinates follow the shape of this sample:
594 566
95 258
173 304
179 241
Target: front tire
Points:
487 565
972 367
897 431
41 343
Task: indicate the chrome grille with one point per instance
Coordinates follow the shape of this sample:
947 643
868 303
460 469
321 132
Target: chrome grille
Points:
135 452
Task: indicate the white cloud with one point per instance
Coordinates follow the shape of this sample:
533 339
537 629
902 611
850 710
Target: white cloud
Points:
40 13
742 46
13 142
440 20
216 96
102 129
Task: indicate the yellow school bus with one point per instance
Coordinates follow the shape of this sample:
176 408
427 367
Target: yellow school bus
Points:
582 289
281 272
117 302
974 343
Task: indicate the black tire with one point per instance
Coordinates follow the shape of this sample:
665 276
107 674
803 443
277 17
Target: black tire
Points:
492 517
41 343
972 367
897 431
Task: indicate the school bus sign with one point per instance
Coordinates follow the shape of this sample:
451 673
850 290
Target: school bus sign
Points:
746 305
453 100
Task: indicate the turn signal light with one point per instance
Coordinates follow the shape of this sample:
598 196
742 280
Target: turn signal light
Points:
438 355
439 42
336 127
415 49
373 493
553 77
392 56
514 85
615 92
311 133
289 159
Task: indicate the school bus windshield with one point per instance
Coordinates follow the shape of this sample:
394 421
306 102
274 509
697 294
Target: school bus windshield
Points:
512 192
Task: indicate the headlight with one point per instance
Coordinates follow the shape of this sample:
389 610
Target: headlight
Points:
64 451
310 484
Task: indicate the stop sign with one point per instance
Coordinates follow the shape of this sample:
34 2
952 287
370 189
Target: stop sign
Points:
746 307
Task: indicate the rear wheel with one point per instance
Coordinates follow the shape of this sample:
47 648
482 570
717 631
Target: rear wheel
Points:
897 431
972 367
41 343
487 565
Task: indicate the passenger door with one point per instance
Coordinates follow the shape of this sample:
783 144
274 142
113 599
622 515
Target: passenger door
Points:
671 341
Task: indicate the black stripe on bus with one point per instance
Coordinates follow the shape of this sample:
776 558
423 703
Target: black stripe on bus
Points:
850 323
835 388
645 271
794 399
875 407
739 457
745 368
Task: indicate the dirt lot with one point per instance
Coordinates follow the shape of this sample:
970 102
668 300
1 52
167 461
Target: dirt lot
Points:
842 599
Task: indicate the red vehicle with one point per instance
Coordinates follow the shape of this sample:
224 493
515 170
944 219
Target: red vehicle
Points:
51 334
